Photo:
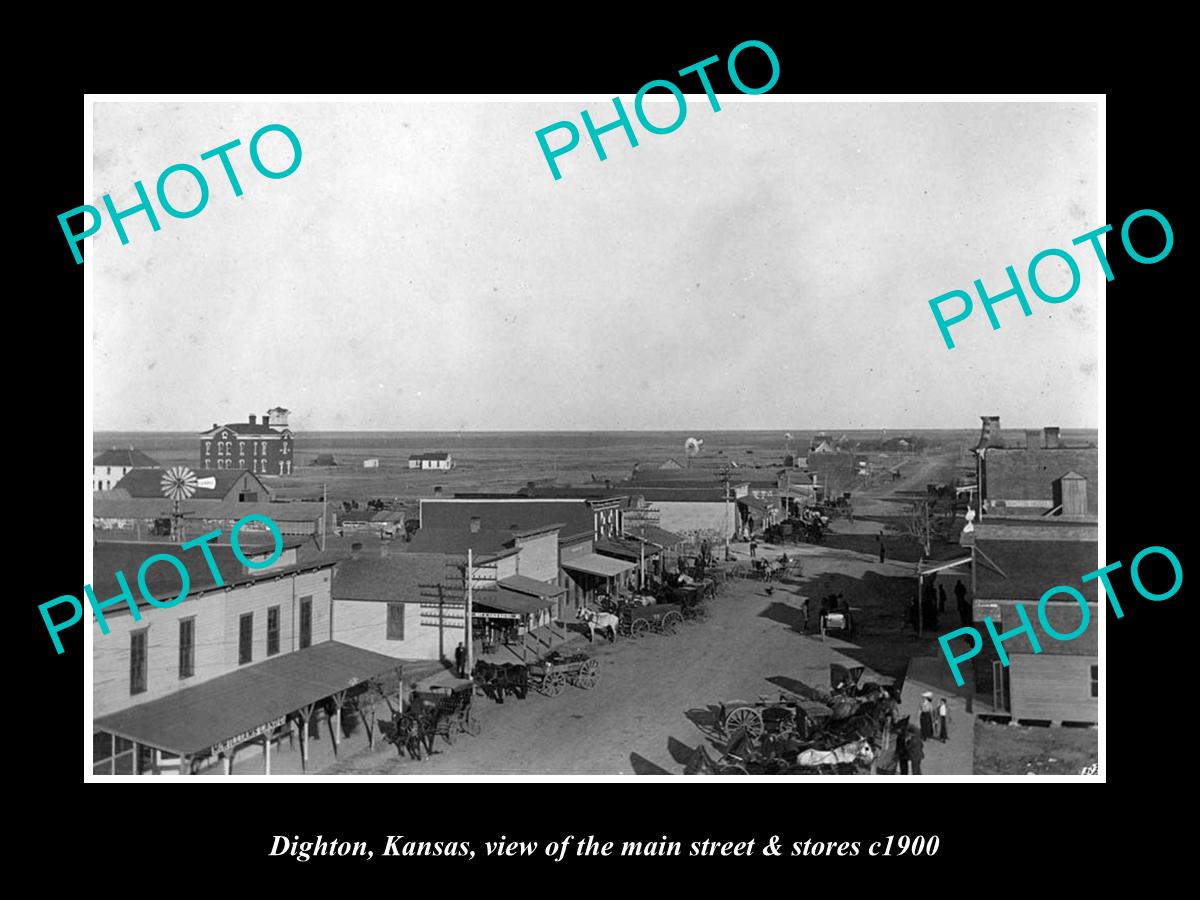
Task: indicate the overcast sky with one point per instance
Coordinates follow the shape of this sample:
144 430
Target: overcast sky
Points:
766 266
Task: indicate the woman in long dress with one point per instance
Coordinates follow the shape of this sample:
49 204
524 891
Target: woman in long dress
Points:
926 717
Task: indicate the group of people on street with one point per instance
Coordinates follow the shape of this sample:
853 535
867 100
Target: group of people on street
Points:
939 729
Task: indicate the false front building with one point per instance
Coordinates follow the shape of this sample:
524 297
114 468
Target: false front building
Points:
264 448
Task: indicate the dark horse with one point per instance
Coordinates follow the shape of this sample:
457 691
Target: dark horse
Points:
499 680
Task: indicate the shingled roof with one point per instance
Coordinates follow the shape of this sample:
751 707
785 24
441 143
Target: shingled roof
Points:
148 483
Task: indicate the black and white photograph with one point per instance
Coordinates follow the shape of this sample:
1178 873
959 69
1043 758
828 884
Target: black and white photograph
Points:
508 437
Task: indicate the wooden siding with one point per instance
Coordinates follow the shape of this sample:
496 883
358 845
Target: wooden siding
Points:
1057 688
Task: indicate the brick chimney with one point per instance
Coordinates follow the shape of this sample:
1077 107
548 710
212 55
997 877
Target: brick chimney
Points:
1032 436
1052 434
474 524
437 490
254 419
266 419
355 549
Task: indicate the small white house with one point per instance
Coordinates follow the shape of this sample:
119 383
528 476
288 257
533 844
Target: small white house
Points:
441 461
370 463
112 465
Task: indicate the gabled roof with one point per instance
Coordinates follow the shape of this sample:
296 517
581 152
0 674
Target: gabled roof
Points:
130 459
148 483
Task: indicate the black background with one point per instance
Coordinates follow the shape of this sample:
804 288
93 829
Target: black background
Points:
982 828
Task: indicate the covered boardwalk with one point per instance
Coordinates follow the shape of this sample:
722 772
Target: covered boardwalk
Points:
518 607
255 704
595 574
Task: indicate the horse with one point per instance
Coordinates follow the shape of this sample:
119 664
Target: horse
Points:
599 620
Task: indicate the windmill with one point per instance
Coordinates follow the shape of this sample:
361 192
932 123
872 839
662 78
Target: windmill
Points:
178 484
692 447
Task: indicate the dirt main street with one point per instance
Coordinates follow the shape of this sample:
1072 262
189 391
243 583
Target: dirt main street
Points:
652 704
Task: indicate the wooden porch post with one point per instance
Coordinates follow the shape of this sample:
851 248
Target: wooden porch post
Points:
305 713
185 765
335 724
227 762
267 753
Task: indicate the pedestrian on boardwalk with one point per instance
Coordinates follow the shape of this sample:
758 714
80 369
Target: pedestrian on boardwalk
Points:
941 598
916 752
753 548
804 615
879 539
944 719
927 715
460 659
964 608
902 752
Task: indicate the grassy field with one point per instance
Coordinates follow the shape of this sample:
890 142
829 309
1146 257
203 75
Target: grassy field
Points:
1020 749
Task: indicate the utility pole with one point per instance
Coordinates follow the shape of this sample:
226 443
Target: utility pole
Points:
469 644
725 481
324 512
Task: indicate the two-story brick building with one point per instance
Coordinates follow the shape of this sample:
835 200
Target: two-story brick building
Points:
264 448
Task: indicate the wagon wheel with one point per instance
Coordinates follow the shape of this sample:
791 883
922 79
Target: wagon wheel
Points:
671 621
554 684
589 674
472 727
731 769
640 628
744 717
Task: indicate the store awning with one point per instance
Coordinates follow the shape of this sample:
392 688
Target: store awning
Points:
523 584
931 566
506 601
595 564
196 719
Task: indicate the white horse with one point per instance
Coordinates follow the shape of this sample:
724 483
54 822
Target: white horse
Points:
599 620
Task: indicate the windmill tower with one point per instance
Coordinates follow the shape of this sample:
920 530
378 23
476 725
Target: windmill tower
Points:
178 484
691 448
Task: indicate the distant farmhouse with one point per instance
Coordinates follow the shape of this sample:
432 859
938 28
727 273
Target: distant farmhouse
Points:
431 461
325 459
264 448
112 465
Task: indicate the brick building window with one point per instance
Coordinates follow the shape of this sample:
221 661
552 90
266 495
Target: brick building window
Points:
1095 681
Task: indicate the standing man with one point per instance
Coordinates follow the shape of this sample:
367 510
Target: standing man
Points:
916 752
804 615
941 598
944 720
460 658
964 608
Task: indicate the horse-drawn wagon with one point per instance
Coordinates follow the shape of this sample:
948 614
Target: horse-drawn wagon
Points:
661 618
783 715
551 676
451 709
